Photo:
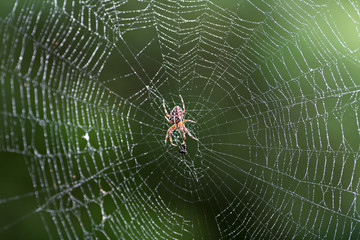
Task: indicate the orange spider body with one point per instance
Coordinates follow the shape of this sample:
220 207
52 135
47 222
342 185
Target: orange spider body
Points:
176 117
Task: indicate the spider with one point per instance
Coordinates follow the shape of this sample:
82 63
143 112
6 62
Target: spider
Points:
176 116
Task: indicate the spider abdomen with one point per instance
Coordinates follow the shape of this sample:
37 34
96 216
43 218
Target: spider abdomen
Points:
176 114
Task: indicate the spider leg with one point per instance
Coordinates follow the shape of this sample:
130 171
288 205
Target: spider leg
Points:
183 105
167 115
167 119
183 133
189 133
171 139
189 121
168 134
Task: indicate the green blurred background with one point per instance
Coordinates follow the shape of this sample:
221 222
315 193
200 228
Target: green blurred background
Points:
18 218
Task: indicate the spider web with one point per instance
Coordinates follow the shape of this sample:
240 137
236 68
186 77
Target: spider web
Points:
272 86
